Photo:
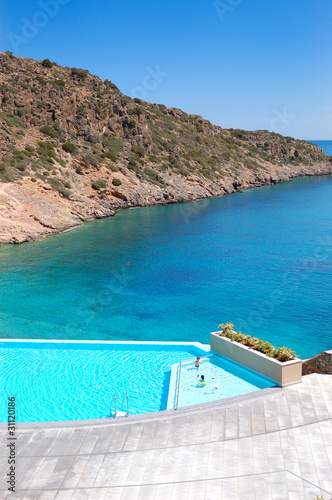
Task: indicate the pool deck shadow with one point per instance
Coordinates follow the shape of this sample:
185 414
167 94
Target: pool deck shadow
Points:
272 444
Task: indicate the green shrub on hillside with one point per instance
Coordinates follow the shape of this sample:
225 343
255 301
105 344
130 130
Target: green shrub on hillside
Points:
41 105
138 150
47 130
55 131
69 147
47 63
151 175
99 184
58 186
22 111
92 160
137 110
110 155
12 120
58 84
81 74
116 182
7 174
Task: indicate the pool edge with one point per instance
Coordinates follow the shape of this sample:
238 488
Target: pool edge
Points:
144 417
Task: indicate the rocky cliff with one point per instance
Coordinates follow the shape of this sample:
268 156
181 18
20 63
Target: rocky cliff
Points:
74 148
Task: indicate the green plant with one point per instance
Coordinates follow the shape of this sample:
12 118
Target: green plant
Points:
265 347
116 182
41 105
138 150
226 327
137 110
46 149
47 63
69 147
58 84
41 80
230 335
99 184
251 341
58 186
47 130
22 111
7 174
12 120
92 160
78 169
81 74
110 155
284 354
240 337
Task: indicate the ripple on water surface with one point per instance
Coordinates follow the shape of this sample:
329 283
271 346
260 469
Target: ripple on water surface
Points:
74 384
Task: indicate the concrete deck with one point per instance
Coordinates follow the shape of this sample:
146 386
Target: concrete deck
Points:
275 446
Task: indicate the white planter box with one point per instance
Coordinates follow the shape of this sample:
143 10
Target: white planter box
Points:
283 373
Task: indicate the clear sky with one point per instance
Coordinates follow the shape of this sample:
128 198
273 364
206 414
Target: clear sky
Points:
251 64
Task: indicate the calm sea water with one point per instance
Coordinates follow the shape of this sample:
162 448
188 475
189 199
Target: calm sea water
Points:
262 259
326 145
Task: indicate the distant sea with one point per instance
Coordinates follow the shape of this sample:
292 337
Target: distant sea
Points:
326 145
261 258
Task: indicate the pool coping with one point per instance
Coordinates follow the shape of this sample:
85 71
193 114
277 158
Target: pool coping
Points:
145 417
199 345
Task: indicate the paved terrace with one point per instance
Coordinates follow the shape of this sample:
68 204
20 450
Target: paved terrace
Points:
277 445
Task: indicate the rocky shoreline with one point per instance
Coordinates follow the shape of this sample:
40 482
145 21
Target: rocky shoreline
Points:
34 211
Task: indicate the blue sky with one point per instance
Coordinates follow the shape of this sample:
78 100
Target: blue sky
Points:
251 64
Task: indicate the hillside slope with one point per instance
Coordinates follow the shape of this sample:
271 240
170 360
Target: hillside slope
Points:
74 148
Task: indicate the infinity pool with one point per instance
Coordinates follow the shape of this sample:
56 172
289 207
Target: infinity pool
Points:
77 381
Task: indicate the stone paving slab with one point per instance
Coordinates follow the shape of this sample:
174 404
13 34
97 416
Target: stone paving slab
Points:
276 446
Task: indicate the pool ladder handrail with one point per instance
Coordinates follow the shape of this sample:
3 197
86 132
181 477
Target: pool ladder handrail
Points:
177 389
115 410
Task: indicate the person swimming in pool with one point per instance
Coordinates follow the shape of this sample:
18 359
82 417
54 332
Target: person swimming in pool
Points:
201 379
198 362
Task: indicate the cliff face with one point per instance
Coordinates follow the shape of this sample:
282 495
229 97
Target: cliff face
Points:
73 148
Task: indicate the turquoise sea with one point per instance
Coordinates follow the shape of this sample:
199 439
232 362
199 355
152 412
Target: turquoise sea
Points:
262 259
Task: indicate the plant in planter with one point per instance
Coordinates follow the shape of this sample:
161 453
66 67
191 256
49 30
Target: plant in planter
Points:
226 327
281 354
251 341
265 347
240 337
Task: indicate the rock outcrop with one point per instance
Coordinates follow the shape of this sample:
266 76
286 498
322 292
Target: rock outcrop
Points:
322 363
73 148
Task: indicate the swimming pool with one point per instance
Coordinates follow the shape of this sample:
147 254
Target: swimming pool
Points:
223 379
59 381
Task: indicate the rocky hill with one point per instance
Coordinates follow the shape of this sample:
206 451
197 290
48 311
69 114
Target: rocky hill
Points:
74 148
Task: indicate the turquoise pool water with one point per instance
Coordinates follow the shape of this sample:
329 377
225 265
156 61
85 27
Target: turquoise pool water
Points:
53 382
262 259
223 378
